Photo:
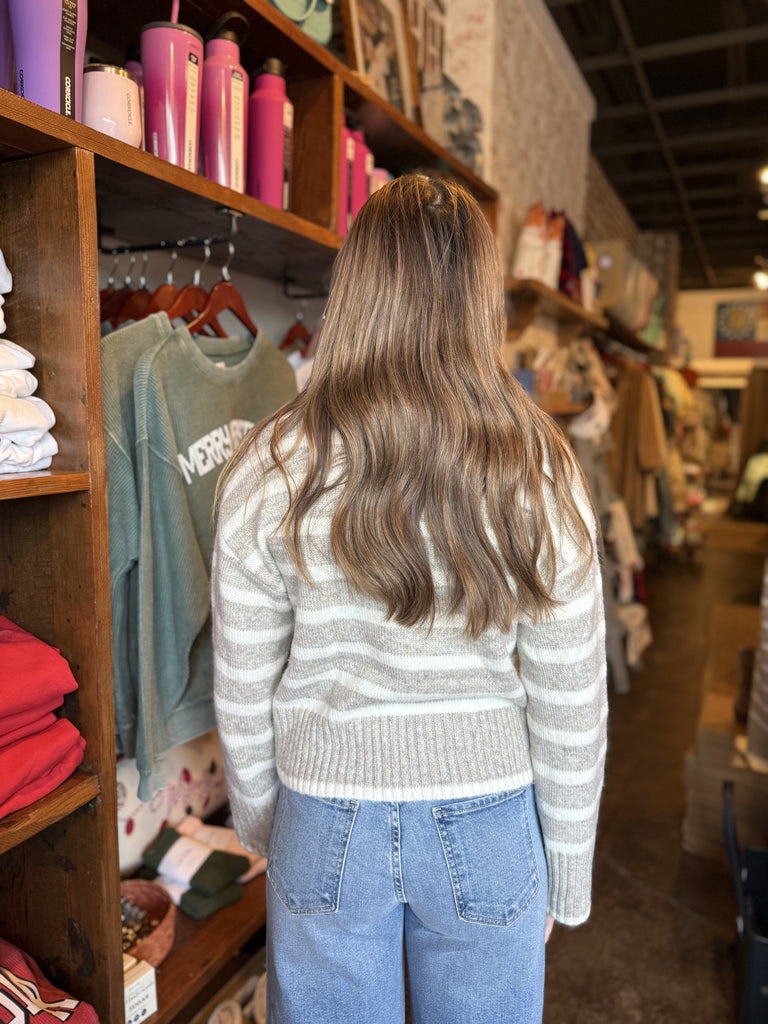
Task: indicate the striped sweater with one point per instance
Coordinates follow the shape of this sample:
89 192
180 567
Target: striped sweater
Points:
315 689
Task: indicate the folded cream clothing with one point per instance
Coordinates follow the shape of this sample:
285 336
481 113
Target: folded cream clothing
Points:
17 383
21 458
6 280
14 357
25 420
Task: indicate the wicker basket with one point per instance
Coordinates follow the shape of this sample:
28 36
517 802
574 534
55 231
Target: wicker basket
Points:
158 904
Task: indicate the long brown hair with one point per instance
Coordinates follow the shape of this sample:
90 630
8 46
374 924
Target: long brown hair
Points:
436 434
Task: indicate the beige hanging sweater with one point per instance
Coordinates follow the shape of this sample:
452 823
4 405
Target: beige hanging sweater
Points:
316 690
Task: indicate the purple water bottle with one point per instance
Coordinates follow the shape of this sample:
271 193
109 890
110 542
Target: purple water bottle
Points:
225 100
270 137
49 47
6 49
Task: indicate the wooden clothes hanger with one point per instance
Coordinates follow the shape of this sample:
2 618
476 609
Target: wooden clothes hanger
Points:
113 302
223 297
192 298
297 337
135 304
110 287
163 296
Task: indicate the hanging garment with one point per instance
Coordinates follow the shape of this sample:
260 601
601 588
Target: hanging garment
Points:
120 353
640 442
194 399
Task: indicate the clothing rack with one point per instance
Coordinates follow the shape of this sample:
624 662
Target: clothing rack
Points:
190 242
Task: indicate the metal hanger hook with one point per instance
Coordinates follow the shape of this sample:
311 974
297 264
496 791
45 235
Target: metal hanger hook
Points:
225 275
129 274
169 275
143 274
206 257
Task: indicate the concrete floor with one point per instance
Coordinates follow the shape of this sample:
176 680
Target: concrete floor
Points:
656 949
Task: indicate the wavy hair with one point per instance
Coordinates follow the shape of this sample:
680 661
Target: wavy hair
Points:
437 437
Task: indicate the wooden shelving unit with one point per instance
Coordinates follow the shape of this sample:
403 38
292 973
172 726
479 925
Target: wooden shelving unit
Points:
63 185
528 299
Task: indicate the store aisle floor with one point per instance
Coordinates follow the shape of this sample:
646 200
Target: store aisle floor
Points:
656 949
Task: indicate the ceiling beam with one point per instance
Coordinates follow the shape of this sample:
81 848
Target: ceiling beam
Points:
686 171
695 195
676 48
665 217
747 133
686 101
622 22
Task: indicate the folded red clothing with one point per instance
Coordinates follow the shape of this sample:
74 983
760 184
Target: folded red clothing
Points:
22 718
33 767
28 994
32 673
26 725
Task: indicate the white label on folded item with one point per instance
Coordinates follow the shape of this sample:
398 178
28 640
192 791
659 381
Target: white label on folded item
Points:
183 860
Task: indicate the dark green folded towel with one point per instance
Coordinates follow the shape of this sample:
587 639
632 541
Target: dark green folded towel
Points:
207 871
198 905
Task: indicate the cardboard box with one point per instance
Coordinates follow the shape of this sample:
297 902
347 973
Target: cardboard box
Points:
140 992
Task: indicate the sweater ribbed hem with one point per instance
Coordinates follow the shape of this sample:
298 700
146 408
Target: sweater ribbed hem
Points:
403 757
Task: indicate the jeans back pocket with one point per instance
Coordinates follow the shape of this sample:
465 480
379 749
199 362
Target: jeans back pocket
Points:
489 848
307 851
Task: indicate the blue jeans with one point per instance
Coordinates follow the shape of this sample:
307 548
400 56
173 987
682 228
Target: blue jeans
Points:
355 887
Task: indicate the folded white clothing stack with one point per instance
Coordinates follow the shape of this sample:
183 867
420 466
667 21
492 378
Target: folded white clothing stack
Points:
26 443
6 283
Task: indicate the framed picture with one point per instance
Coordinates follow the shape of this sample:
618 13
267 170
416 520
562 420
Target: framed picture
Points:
378 46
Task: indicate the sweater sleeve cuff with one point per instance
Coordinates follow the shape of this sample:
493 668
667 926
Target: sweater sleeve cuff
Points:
569 898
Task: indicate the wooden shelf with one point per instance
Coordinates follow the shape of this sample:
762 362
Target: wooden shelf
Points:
33 485
201 947
77 791
616 330
529 299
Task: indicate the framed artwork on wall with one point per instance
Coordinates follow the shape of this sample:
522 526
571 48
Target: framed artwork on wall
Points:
376 35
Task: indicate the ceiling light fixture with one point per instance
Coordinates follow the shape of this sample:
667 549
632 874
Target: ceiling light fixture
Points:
762 176
760 280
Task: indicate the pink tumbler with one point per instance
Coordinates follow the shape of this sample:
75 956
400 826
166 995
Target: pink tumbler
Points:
49 47
225 103
270 137
346 160
362 166
172 61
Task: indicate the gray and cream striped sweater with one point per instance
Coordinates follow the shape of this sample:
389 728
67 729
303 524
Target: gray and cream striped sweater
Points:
315 689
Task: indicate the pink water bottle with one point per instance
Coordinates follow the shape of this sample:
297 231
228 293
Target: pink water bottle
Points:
172 62
49 47
225 99
346 160
362 165
270 137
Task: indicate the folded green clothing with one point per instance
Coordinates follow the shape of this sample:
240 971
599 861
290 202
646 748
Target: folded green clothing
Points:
197 905
190 863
